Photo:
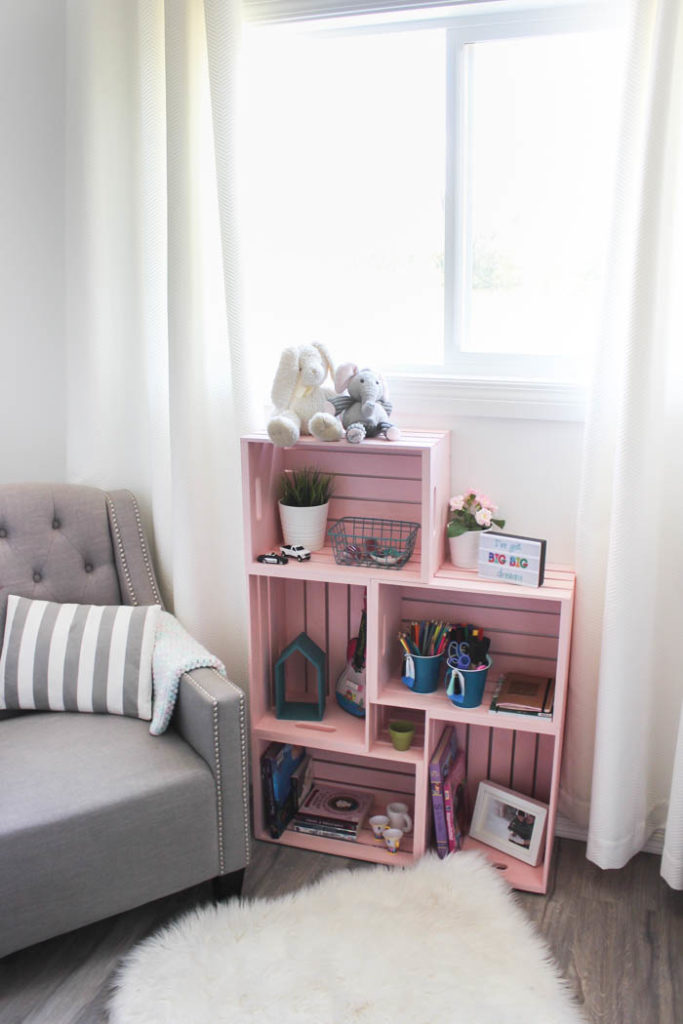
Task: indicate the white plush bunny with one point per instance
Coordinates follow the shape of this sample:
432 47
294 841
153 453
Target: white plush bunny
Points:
301 402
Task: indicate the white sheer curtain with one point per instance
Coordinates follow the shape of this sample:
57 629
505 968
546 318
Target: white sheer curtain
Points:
623 766
157 391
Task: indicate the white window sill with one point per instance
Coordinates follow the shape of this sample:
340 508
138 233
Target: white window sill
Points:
472 396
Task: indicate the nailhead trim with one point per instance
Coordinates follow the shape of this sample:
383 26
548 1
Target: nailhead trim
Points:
122 553
218 775
143 547
145 550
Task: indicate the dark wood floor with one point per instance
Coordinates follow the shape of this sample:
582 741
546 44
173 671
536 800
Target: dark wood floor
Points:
617 936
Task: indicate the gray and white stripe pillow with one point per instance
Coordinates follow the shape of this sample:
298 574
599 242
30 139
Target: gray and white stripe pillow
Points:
70 657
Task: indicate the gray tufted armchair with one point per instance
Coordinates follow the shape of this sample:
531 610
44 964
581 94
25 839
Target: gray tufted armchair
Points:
96 815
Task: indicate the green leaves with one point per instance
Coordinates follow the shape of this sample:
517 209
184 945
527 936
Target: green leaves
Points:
305 487
456 527
466 522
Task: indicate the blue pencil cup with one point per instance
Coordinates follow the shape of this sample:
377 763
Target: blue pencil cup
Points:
465 686
421 672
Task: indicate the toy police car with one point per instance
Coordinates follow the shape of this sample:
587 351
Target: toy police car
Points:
272 558
297 551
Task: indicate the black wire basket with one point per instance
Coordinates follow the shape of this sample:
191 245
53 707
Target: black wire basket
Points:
380 543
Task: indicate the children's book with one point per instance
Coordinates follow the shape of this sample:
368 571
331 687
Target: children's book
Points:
329 831
307 821
521 694
338 805
453 800
439 767
278 763
302 781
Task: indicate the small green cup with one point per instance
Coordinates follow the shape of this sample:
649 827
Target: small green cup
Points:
401 734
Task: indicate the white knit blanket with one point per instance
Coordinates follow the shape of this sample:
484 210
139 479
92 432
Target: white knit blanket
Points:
175 652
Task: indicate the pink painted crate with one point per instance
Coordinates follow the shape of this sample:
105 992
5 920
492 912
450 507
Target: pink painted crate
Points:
525 633
404 481
386 782
524 761
329 613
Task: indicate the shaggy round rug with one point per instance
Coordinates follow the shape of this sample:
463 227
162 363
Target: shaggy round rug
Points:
443 942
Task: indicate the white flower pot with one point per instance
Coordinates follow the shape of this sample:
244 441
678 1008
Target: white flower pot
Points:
464 550
304 525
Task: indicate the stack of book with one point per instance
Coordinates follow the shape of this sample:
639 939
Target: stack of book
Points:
332 812
447 787
286 777
455 803
519 694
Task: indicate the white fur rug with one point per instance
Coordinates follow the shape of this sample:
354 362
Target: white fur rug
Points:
441 943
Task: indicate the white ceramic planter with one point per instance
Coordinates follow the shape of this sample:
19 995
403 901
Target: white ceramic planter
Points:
464 550
304 525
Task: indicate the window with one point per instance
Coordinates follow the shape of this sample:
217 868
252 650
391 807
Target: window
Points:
430 195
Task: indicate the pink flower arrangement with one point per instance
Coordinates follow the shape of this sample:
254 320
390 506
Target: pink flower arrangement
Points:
471 511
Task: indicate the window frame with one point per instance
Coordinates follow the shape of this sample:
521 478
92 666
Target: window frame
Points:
498 384
461 32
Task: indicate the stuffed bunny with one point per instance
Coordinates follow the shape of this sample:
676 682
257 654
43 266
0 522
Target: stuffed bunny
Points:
366 407
301 403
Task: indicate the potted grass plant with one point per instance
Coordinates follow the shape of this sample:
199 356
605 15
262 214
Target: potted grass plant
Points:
304 497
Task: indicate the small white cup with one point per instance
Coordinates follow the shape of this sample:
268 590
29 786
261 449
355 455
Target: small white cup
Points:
379 823
392 838
399 817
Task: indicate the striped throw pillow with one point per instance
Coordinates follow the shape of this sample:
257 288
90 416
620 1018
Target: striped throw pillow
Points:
70 657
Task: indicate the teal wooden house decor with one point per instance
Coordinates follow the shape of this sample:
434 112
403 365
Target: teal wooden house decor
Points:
300 710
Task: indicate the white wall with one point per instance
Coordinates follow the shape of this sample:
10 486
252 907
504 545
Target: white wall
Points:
531 470
529 467
32 285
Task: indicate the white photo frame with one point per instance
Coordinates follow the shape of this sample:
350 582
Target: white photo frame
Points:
510 822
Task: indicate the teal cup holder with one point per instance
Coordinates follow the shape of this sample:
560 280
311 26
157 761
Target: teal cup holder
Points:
421 672
465 686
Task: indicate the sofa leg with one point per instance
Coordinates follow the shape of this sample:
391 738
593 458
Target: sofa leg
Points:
226 887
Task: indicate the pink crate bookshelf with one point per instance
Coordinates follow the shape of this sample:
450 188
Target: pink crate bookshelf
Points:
530 631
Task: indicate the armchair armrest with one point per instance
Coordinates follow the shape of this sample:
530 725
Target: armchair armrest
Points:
211 715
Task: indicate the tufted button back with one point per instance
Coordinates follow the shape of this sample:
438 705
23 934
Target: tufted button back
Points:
56 545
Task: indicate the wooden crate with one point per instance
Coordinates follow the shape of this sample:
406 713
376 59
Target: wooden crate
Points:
405 481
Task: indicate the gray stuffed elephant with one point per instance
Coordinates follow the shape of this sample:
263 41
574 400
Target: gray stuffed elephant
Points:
365 410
